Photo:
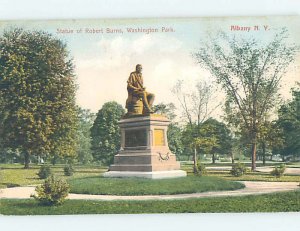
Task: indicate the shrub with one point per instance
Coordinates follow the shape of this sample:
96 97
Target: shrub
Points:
44 172
201 169
68 170
238 169
278 171
52 192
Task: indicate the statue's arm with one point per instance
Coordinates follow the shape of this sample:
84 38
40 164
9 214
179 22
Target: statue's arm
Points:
130 83
130 86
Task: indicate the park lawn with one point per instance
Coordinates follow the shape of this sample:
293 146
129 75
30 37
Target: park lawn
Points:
276 202
139 186
249 176
189 165
255 176
294 165
12 175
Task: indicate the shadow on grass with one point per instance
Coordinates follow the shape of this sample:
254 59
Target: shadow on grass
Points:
11 185
33 178
18 168
90 171
29 204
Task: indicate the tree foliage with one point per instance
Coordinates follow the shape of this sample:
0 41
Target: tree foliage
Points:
167 110
197 104
105 132
250 73
289 122
215 138
222 134
270 137
84 140
175 139
37 94
211 137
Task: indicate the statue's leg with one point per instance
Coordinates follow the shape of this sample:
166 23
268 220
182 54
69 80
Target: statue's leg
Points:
150 99
144 96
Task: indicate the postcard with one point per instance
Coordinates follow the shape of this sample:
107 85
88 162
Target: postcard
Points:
139 116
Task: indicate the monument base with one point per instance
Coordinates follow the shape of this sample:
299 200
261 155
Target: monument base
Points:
149 175
144 150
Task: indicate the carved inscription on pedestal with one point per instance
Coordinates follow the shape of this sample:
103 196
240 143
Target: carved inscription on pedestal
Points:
135 138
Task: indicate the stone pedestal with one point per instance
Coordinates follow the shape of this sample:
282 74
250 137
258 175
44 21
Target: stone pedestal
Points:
144 150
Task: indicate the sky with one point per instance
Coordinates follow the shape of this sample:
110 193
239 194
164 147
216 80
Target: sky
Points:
103 61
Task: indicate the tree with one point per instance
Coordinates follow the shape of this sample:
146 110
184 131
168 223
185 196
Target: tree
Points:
188 139
105 132
167 110
84 151
289 122
215 138
175 139
37 95
269 137
250 73
207 145
196 106
212 138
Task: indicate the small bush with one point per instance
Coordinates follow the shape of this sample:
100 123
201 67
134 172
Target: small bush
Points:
238 169
52 192
278 171
44 172
68 170
201 169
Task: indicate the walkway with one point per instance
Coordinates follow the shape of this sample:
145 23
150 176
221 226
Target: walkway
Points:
252 188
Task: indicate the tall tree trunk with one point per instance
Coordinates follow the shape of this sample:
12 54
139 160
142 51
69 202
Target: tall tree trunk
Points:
26 159
54 160
253 152
264 153
213 158
232 157
253 156
253 148
254 130
195 160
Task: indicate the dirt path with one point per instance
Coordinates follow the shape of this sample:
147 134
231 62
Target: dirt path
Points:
252 188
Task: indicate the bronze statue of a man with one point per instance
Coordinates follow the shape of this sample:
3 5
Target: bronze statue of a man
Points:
139 101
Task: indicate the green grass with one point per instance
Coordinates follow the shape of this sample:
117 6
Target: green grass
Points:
138 186
255 176
12 175
249 176
277 202
247 164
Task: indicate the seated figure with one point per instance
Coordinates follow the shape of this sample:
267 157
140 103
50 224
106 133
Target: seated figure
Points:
139 101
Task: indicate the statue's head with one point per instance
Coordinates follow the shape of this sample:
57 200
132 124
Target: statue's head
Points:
139 68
